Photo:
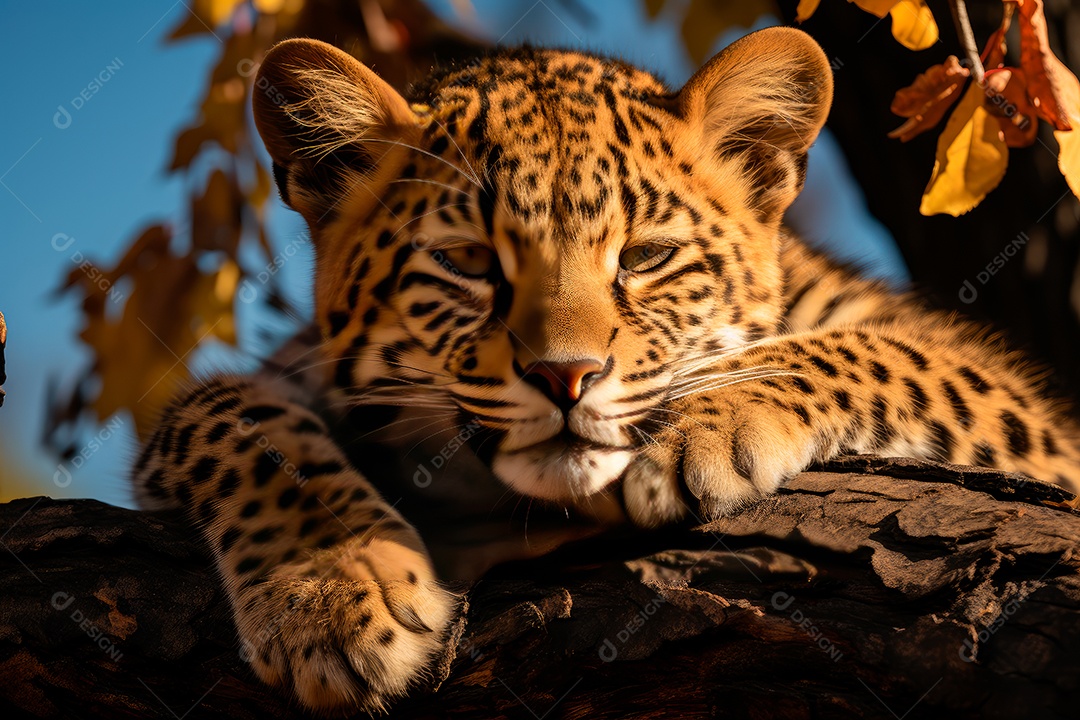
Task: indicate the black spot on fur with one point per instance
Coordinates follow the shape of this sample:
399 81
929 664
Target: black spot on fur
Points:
230 480
942 440
823 365
204 469
882 429
879 372
262 413
265 535
249 564
265 469
960 406
288 498
1016 434
1049 446
976 381
229 538
223 405
337 320
984 456
310 470
218 431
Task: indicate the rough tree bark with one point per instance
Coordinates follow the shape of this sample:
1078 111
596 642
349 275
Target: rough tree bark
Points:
872 588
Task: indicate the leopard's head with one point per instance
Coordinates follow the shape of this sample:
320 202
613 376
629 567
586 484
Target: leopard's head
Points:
548 242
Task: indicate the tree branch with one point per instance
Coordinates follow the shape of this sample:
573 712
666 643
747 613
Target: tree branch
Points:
881 581
967 39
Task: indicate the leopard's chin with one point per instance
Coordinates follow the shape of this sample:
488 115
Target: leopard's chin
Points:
561 470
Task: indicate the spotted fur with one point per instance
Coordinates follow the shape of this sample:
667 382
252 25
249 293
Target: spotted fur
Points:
592 269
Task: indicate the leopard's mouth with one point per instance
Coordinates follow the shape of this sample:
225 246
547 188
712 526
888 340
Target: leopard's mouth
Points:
567 441
563 468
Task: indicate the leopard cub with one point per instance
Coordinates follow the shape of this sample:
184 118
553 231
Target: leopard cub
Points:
587 271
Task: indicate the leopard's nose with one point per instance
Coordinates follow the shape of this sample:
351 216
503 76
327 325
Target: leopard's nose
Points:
564 382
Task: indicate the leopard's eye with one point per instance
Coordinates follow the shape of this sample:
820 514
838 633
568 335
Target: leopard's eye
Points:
470 260
641 258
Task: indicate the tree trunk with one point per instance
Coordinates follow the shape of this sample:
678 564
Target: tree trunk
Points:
871 588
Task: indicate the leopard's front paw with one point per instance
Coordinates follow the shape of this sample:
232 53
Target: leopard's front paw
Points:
725 454
352 637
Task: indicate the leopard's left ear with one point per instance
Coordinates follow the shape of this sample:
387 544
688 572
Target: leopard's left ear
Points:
328 121
761 102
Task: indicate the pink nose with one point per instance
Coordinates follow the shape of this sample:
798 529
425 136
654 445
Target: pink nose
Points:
563 382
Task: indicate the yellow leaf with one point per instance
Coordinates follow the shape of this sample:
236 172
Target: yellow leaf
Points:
260 193
202 16
705 20
876 7
971 159
143 349
913 24
806 9
1069 140
1069 156
269 6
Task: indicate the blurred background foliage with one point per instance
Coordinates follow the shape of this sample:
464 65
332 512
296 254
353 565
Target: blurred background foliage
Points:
175 288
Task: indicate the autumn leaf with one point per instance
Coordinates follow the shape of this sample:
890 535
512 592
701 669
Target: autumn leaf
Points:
913 24
1069 140
925 101
1007 100
203 16
806 9
216 215
970 161
170 305
880 8
706 19
1048 79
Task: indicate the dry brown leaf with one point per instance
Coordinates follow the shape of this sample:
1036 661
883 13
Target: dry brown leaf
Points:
925 101
1006 99
971 159
217 215
1048 78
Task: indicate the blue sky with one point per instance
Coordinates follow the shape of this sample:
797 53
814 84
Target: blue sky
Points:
95 99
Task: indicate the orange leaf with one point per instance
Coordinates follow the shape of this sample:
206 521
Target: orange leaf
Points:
1048 79
1007 100
971 159
993 55
806 9
925 101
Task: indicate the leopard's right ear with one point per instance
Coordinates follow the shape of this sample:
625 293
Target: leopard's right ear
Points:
328 121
